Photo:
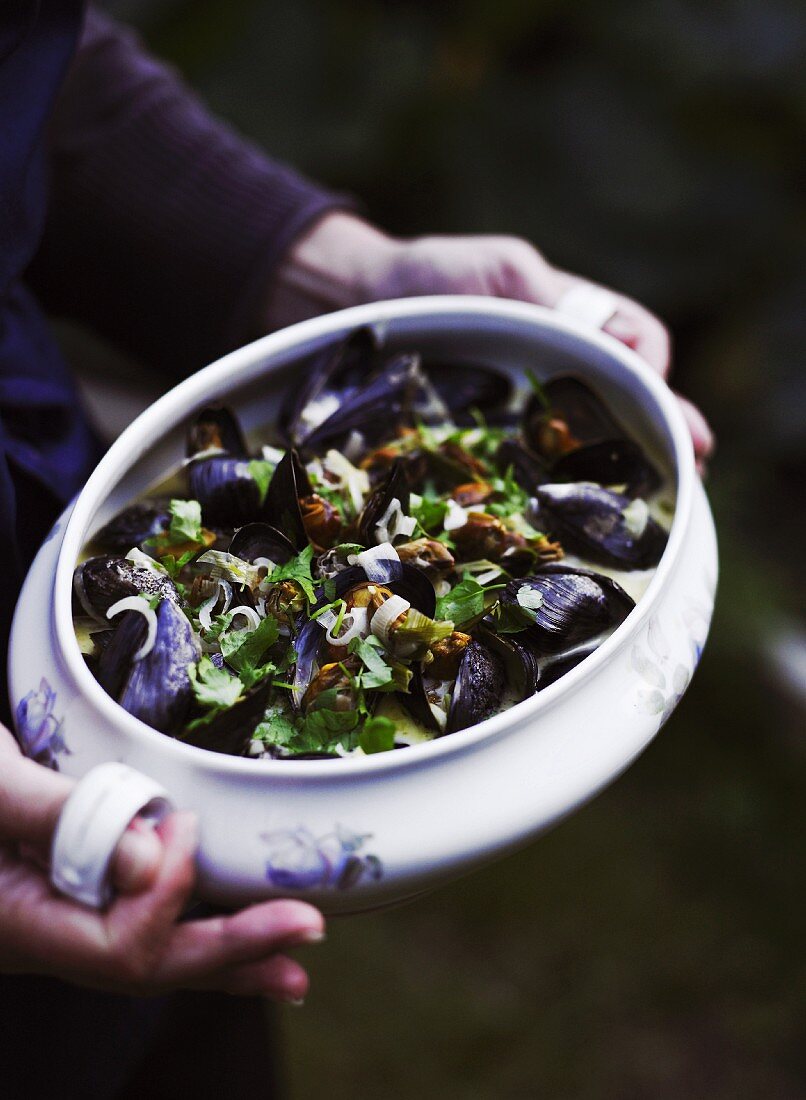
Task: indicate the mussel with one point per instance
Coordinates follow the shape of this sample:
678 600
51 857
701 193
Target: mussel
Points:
572 428
470 676
100 582
384 517
230 731
371 413
528 469
354 587
219 474
561 606
293 507
330 377
216 429
602 525
256 541
612 462
466 387
564 415
133 526
156 688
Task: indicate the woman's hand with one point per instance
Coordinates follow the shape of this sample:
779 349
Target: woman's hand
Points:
139 945
343 261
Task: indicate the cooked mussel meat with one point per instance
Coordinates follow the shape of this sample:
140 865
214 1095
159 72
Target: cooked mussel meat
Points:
601 524
216 429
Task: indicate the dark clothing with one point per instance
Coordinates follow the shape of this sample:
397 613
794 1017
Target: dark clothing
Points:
125 205
162 231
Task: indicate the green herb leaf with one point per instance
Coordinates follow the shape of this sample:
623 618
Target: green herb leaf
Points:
469 600
261 473
186 524
430 512
214 688
381 672
243 651
276 728
537 387
298 570
325 726
377 735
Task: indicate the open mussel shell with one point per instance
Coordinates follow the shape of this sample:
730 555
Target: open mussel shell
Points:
600 524
373 412
331 376
289 483
487 670
565 415
521 663
611 462
465 387
478 689
157 688
405 581
100 582
228 494
261 540
561 606
216 428
395 486
528 468
231 730
133 526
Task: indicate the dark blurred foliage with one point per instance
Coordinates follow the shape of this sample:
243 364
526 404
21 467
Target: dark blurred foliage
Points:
652 945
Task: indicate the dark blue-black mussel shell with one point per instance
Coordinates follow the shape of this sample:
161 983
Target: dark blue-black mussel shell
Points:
592 521
156 689
569 605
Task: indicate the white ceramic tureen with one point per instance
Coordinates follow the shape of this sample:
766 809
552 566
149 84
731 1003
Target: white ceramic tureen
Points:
367 831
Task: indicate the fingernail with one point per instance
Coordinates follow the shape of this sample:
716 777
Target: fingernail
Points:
311 935
297 1002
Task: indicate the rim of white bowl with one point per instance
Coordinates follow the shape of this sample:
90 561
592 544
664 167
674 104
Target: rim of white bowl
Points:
173 406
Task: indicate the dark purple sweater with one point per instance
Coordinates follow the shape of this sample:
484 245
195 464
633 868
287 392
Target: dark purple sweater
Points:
163 225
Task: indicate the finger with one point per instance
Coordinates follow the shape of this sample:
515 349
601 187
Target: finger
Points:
137 858
280 978
701 433
146 919
640 330
204 947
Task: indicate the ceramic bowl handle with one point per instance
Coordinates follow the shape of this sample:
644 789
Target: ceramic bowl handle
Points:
94 818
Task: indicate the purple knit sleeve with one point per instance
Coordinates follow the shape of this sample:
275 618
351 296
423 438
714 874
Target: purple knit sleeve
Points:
164 225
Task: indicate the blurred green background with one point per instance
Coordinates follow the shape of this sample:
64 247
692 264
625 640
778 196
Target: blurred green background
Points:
652 945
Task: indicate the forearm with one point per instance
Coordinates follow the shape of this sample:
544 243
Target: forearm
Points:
332 265
165 226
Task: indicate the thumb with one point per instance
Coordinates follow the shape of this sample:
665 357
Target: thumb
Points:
32 798
137 859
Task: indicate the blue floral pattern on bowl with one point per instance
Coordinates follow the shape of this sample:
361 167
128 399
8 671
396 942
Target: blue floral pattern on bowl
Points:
298 860
39 731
